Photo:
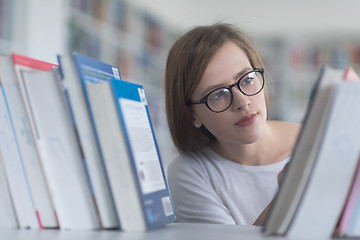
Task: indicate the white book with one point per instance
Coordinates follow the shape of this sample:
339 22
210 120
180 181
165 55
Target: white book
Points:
8 215
32 164
77 102
14 170
57 144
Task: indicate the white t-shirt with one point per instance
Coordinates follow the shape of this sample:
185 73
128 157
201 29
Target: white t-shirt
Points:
208 188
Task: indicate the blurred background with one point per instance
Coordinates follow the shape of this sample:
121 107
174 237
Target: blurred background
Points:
294 37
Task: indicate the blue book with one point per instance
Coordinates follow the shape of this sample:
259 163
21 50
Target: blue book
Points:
125 135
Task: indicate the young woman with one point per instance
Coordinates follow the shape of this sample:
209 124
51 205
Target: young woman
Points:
230 155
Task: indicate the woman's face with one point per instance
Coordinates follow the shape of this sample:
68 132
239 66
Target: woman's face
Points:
243 122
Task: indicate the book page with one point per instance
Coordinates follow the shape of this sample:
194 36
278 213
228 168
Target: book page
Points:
142 145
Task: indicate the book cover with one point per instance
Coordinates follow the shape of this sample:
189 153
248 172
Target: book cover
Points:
92 159
143 152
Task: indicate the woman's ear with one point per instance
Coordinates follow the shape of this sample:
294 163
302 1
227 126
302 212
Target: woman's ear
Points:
196 122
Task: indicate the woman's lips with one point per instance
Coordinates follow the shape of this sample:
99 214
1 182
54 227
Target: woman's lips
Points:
247 120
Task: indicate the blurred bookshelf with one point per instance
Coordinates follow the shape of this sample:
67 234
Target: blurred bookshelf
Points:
5 20
11 32
293 64
128 36
121 34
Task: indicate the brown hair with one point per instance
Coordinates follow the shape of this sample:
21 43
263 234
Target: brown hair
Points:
186 63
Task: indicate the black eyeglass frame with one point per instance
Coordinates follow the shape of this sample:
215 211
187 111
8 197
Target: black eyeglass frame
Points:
237 83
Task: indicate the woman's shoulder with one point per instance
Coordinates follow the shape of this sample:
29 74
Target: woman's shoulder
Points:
185 160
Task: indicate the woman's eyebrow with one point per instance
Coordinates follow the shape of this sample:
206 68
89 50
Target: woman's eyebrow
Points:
215 86
212 87
241 73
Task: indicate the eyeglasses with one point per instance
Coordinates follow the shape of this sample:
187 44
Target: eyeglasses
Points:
220 99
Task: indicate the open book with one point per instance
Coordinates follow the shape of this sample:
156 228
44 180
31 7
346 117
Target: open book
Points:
315 185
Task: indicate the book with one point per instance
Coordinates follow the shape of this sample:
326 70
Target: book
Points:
349 223
8 215
13 175
58 146
315 184
14 170
128 146
36 179
92 159
20 150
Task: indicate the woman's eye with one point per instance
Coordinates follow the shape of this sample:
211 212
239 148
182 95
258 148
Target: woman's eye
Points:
219 94
247 81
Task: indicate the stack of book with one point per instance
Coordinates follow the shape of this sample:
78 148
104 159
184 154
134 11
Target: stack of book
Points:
78 150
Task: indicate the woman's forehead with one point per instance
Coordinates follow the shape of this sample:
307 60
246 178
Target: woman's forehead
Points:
227 64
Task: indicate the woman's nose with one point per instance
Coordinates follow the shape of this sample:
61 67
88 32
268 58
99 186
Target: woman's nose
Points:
240 101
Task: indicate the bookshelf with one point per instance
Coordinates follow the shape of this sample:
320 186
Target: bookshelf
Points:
175 231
